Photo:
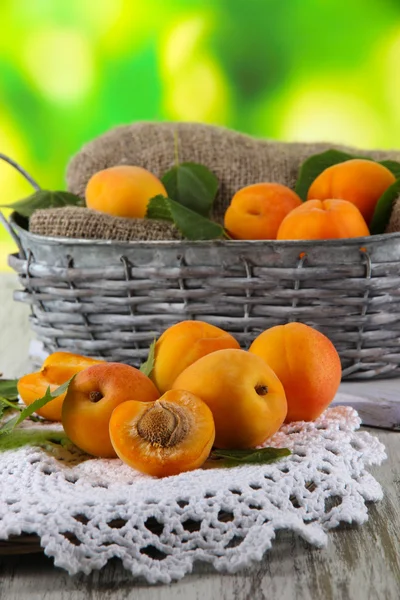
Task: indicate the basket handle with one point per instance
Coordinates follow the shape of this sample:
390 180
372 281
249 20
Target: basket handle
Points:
33 183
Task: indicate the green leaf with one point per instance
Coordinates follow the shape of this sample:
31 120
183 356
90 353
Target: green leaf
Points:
193 186
10 403
8 389
393 166
383 209
36 405
236 458
159 208
44 199
192 225
148 365
32 437
314 166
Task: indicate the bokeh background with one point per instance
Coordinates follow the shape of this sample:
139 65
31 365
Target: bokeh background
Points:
289 69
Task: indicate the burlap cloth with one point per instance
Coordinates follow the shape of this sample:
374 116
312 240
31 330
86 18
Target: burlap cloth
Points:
236 159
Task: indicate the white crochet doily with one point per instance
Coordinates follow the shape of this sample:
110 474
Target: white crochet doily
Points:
88 510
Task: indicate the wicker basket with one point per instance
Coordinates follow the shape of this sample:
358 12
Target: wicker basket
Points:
110 300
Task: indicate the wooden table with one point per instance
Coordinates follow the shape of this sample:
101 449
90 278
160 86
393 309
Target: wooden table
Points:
360 563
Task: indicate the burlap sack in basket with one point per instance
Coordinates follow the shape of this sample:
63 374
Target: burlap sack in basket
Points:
82 223
236 159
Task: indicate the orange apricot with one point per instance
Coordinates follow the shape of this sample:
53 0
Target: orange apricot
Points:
323 220
123 191
245 396
306 363
256 211
91 399
181 345
56 370
359 181
166 437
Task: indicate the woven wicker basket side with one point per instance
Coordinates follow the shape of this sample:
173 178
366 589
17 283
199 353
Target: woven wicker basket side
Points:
112 299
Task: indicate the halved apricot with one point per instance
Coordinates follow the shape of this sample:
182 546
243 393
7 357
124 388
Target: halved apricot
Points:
166 437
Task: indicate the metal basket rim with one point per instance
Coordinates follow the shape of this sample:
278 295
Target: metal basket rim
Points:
301 244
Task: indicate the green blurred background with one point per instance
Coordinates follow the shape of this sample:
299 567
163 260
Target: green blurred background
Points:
289 69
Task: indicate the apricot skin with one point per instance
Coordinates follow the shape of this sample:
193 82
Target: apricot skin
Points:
86 420
227 381
181 345
123 191
256 211
307 364
359 181
58 368
323 220
151 458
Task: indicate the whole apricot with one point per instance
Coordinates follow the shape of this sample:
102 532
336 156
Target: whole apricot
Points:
166 437
359 181
257 210
181 345
91 399
323 220
306 363
245 396
56 370
123 191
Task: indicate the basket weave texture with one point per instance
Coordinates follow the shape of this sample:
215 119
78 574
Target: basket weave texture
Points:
111 299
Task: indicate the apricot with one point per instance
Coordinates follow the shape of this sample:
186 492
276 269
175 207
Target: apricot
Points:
181 345
323 220
256 211
56 370
306 363
245 396
91 399
123 191
359 181
166 437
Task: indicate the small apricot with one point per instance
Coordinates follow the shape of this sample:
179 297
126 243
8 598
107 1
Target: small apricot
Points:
56 370
323 220
91 398
166 437
256 211
181 345
245 396
123 191
306 363
358 180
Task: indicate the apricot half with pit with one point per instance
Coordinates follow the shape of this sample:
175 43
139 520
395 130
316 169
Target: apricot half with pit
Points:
166 437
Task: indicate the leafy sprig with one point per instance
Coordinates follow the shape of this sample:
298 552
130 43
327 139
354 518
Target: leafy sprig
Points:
44 199
28 411
236 458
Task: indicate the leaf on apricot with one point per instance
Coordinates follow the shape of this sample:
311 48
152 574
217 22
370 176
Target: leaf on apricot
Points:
36 405
193 186
44 199
236 458
147 367
314 165
383 208
192 225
